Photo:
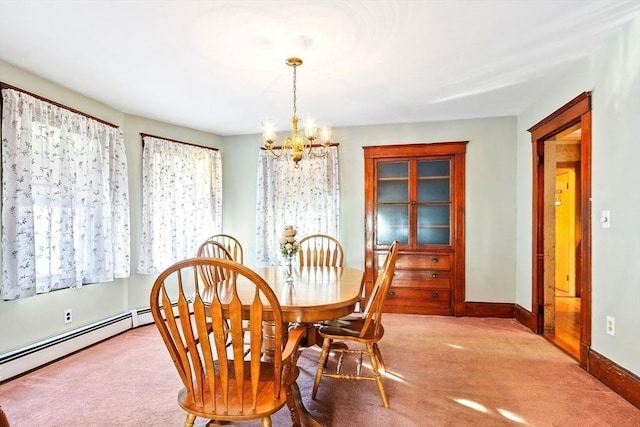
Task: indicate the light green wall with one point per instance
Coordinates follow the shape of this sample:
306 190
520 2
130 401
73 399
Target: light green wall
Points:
490 194
29 320
613 76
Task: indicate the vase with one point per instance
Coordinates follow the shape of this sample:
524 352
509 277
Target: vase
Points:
287 268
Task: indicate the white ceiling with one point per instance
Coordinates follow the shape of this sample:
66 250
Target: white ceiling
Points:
219 66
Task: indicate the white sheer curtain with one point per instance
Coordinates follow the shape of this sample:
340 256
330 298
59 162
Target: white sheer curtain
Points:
65 200
306 197
182 201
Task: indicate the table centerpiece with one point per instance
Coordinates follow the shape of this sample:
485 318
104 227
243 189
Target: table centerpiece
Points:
289 247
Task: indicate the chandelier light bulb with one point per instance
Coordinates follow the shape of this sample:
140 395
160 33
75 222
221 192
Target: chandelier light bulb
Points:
325 134
310 128
268 131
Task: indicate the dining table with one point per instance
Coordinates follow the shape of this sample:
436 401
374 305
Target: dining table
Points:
315 294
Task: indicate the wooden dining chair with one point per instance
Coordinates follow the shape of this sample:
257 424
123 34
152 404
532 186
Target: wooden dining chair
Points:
320 250
364 331
213 249
220 382
231 244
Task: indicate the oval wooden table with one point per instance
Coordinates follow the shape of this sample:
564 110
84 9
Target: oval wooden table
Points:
316 294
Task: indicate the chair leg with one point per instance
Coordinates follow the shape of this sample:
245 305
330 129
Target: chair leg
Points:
326 345
327 359
376 373
190 420
381 364
266 421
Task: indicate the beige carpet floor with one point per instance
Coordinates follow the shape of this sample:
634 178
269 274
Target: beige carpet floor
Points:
442 371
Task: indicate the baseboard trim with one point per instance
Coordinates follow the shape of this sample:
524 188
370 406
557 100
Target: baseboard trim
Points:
490 309
614 376
525 317
25 359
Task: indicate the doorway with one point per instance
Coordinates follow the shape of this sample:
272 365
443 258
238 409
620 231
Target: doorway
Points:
561 227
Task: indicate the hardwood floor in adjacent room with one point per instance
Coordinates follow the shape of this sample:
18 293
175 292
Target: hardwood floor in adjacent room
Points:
568 324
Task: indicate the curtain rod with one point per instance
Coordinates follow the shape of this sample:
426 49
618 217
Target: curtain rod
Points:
175 140
279 147
42 98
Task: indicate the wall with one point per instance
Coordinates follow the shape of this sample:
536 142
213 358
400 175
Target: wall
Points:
490 218
613 76
490 194
498 219
29 320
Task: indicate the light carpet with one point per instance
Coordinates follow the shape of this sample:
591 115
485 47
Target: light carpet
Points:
442 371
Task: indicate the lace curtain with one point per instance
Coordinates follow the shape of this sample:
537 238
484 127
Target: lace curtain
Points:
181 201
306 197
65 200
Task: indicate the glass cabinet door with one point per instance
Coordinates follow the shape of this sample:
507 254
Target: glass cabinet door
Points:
413 202
392 203
433 216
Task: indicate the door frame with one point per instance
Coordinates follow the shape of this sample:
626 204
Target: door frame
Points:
577 111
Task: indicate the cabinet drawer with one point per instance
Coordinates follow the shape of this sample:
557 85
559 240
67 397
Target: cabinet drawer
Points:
423 261
418 297
421 279
417 261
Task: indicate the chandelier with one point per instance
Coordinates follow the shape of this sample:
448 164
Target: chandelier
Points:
295 145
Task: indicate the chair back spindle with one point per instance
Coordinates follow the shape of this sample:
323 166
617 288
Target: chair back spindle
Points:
372 312
231 244
213 249
320 250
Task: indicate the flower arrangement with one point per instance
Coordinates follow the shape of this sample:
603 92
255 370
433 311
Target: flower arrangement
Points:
289 246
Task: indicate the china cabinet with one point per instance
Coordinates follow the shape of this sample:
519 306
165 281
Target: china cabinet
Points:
414 194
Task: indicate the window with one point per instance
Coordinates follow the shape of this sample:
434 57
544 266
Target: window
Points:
65 198
306 197
182 201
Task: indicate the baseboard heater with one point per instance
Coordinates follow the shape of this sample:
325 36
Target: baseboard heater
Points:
35 355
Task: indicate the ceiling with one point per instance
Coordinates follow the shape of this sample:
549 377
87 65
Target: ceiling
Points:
219 66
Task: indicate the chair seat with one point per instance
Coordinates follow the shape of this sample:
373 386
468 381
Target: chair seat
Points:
350 328
239 410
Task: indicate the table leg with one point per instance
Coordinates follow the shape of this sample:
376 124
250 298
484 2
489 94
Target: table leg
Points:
300 416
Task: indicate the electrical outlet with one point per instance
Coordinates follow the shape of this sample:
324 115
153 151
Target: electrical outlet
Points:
611 325
68 316
605 219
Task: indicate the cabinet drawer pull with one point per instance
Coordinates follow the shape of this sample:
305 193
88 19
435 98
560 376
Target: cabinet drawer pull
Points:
434 275
435 295
391 293
435 259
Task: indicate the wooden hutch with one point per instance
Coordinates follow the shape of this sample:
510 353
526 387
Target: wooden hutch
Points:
414 194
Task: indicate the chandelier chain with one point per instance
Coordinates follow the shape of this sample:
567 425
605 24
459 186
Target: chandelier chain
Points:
294 90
